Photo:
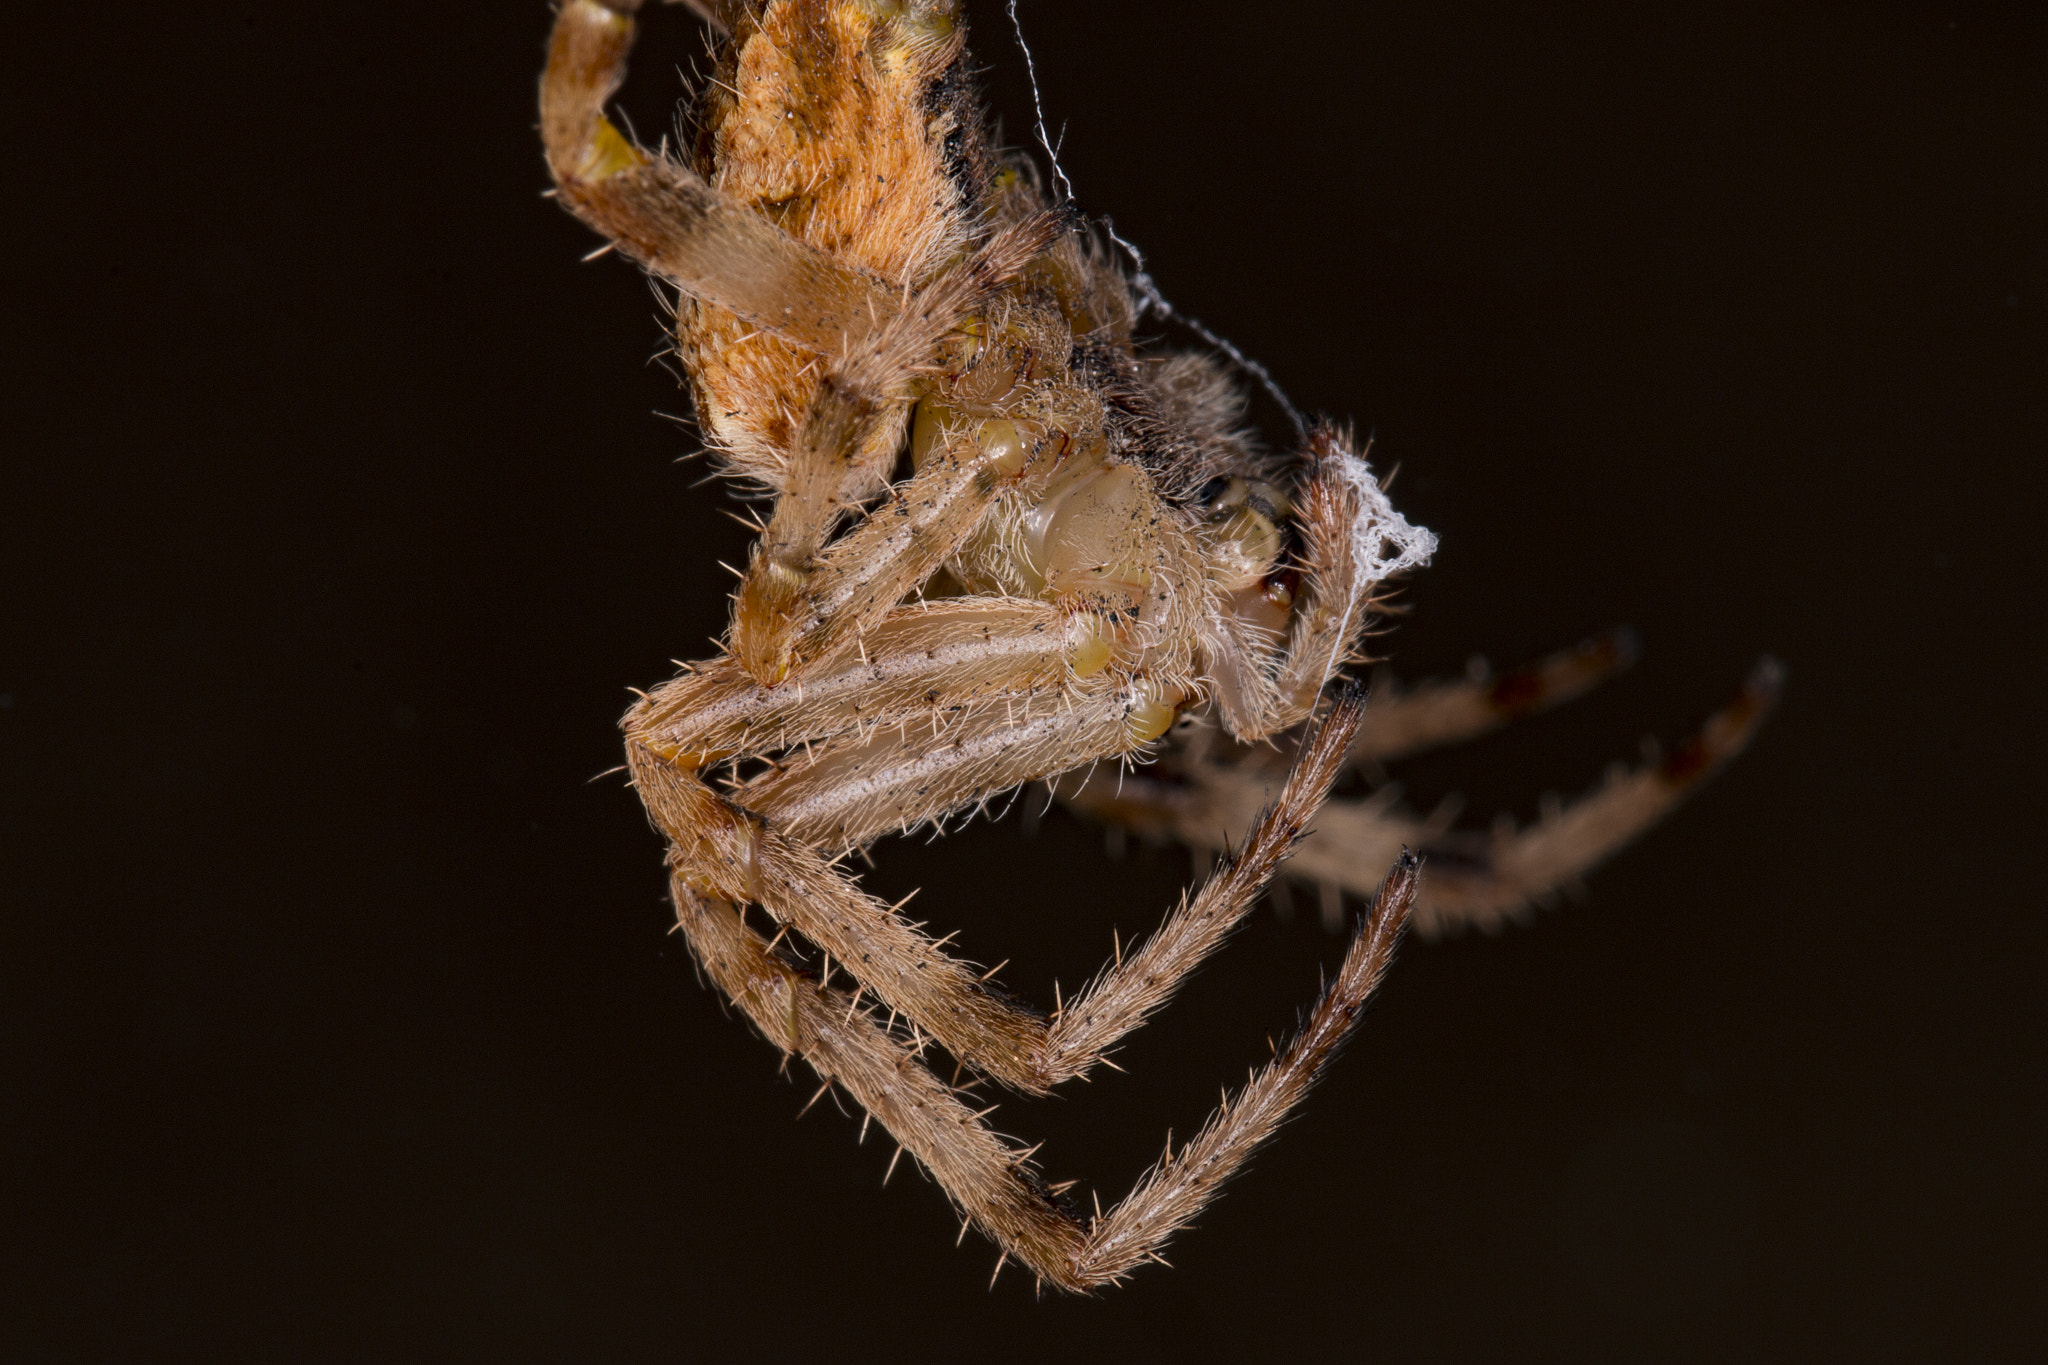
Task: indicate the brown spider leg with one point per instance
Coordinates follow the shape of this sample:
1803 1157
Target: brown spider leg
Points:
844 1044
1475 880
1339 595
743 853
799 605
1398 722
1169 1196
781 600
1239 661
991 1182
849 791
663 215
1113 697
920 667
1259 690
1402 722
737 854
1127 994
936 658
1513 869
729 852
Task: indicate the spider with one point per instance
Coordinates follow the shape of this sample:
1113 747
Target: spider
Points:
1005 543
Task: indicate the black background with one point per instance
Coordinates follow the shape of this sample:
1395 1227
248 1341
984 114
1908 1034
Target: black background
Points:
340 1019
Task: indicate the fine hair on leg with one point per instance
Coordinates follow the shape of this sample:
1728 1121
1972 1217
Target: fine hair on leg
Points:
997 1186
736 854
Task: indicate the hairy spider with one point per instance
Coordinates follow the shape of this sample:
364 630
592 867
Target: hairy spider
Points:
1005 544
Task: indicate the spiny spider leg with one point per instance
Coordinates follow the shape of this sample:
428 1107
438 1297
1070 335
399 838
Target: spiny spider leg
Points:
1500 875
1131 991
1260 688
933 658
665 216
856 788
846 792
1402 722
816 607
990 1182
1475 880
783 617
732 853
1337 516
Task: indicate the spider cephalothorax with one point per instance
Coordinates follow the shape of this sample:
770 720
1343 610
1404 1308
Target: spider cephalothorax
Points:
1005 544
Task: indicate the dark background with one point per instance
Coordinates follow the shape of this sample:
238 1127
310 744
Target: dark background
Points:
337 1009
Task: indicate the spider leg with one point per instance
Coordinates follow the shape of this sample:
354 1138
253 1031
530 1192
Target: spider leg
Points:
1130 992
1326 625
781 600
921 668
850 791
1502 874
1475 880
760 848
1238 662
947 775
844 1044
988 1180
798 604
725 851
1403 722
663 215
1345 526
1170 1195
934 658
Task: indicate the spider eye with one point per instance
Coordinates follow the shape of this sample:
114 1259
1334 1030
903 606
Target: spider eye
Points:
1211 491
